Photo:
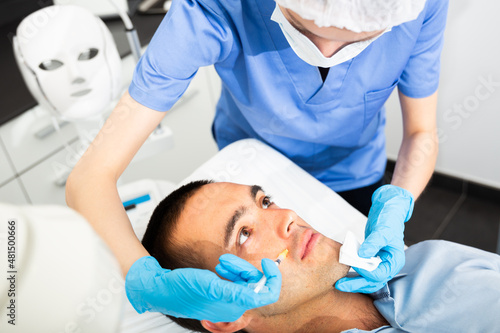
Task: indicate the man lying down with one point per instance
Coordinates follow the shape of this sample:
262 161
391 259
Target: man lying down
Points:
444 287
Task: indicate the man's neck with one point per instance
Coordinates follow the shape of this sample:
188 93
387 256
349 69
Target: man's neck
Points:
333 312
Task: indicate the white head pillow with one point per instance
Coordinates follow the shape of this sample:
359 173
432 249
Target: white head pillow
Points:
251 162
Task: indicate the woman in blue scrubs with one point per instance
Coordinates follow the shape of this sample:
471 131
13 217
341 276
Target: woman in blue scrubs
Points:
307 77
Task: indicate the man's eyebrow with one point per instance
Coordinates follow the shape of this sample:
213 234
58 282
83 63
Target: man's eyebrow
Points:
254 190
238 213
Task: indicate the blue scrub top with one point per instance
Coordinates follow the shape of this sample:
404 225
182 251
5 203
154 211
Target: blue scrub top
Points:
332 129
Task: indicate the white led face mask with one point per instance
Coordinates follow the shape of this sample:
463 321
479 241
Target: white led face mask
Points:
69 61
309 52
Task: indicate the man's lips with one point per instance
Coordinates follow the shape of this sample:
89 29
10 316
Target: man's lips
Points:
307 243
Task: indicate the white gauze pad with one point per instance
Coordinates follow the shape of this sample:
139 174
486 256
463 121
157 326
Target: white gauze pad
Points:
349 254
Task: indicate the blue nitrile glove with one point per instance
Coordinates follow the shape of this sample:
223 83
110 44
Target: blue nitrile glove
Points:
391 207
196 293
243 273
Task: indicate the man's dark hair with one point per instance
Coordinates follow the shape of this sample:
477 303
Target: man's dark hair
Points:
159 242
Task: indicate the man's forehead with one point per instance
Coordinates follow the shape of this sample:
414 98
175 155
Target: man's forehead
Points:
223 193
207 211
202 223
214 194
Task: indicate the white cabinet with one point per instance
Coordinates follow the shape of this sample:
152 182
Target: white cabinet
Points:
30 138
45 182
12 192
6 170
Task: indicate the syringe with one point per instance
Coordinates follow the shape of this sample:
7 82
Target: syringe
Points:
263 280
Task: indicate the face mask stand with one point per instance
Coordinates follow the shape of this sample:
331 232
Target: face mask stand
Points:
88 117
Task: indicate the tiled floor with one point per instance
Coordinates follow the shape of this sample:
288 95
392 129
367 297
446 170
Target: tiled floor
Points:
457 211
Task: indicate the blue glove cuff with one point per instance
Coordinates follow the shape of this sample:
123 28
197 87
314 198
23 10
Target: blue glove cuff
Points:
388 192
137 279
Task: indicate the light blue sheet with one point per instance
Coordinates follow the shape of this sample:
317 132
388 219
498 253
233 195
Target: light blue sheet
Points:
444 287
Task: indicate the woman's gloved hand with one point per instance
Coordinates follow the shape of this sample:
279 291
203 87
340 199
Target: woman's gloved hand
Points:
201 294
391 207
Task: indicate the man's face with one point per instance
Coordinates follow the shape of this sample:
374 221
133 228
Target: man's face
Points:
230 218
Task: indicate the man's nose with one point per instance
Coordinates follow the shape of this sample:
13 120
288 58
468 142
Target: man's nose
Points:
286 222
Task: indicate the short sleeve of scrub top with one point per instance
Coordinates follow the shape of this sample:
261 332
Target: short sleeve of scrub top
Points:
420 77
190 36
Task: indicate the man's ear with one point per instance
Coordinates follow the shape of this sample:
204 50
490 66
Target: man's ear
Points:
224 327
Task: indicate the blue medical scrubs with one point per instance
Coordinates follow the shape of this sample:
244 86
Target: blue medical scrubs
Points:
332 129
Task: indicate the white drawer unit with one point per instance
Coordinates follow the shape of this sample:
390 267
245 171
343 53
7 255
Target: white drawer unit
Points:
45 182
12 192
6 170
30 138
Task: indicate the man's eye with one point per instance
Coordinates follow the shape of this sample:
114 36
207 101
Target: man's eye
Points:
244 235
266 202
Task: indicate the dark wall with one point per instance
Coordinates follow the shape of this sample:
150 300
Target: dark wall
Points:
14 96
15 10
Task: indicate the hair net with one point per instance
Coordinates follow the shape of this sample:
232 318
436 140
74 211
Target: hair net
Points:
356 15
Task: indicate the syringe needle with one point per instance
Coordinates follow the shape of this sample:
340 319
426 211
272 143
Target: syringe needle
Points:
263 280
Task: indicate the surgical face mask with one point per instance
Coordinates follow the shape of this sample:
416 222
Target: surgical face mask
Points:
69 61
309 52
